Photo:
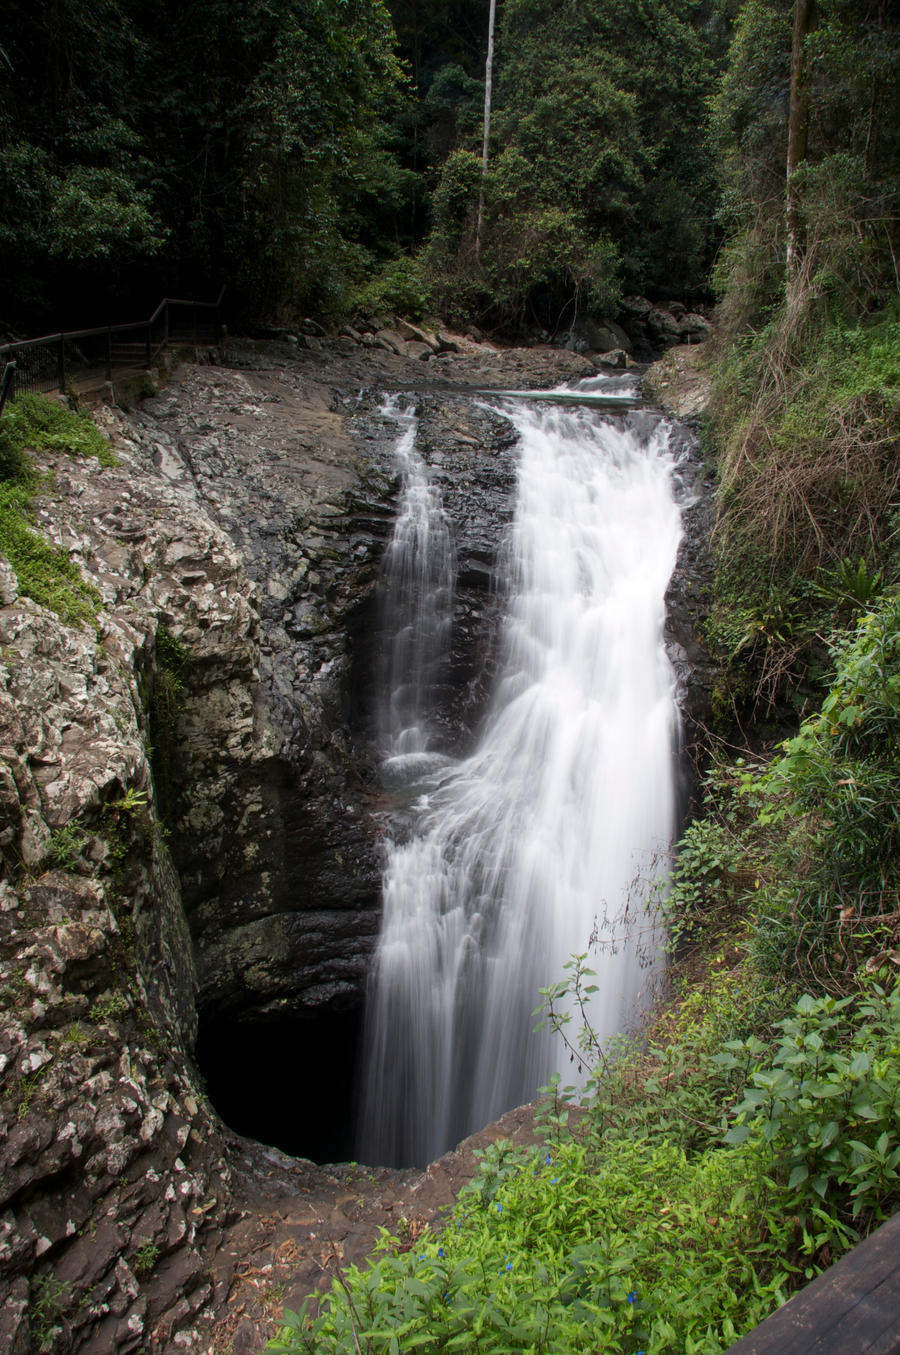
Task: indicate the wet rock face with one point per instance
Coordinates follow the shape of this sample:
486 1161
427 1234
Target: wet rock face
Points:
272 832
277 828
470 452
679 383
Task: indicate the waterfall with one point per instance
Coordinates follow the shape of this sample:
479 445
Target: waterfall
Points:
416 609
552 832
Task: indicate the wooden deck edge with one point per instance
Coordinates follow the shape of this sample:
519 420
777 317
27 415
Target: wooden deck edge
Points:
853 1308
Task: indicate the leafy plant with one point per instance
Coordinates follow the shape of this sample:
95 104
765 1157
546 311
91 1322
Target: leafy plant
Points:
145 1259
831 799
852 585
66 845
131 802
709 878
827 1104
109 1006
48 1300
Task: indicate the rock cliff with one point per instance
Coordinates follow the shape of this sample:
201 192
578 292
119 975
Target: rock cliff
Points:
190 816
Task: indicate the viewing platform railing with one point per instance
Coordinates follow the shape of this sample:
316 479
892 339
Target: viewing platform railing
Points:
48 363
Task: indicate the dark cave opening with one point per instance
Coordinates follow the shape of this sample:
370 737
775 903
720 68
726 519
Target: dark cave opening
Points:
289 1082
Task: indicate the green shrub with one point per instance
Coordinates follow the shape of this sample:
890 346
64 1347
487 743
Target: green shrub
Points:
830 804
633 1233
827 1104
646 1251
398 287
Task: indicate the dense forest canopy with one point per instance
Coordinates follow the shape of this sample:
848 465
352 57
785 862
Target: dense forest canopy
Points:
295 149
319 154
152 147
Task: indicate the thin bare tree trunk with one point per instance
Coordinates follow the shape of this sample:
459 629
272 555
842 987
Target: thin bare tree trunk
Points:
798 125
488 75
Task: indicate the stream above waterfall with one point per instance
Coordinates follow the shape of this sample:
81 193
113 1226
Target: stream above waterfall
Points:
549 836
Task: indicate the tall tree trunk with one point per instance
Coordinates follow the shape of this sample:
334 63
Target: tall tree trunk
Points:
798 125
488 75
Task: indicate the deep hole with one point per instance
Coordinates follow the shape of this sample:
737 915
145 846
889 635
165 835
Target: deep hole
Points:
288 1082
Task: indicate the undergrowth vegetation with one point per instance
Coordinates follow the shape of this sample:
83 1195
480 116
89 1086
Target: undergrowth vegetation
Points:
808 528
714 1166
44 572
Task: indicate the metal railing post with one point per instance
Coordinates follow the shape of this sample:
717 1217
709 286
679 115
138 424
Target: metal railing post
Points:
61 363
109 353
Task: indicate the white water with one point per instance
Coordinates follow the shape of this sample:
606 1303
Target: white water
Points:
416 606
555 827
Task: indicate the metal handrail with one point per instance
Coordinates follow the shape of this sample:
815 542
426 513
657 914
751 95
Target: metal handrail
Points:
15 377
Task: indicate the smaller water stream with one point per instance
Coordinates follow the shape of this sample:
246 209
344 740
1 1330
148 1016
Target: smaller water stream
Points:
416 610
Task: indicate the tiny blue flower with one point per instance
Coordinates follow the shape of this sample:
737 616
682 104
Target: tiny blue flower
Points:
421 1258
499 1208
441 1251
548 1159
509 1265
632 1297
554 1180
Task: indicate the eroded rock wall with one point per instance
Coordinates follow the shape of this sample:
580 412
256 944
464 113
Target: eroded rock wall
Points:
277 840
112 1175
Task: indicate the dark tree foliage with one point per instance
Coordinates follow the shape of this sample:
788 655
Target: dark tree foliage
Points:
600 153
176 146
848 185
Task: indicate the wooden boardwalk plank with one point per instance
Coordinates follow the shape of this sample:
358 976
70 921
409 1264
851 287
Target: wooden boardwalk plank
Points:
851 1309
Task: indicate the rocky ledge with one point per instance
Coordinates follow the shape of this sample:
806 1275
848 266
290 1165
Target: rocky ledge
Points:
191 826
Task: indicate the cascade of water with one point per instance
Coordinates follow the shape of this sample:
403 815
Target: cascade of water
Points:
554 828
416 606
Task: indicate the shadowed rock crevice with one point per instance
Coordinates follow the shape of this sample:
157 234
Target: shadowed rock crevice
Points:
289 1082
